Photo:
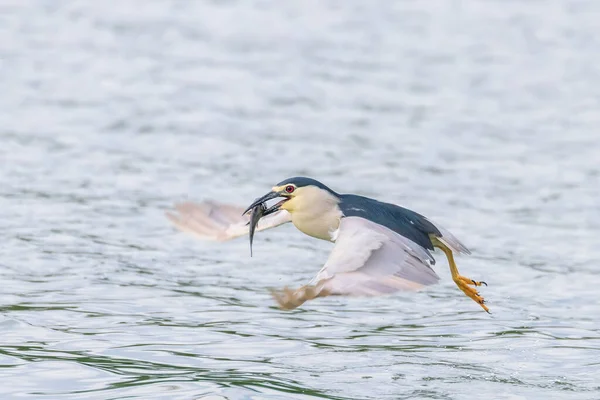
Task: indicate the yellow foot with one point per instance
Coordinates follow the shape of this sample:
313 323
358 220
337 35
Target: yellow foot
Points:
465 284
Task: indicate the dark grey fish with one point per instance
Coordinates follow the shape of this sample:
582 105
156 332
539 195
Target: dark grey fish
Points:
257 213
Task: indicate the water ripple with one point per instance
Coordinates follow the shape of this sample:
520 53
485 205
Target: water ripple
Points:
483 117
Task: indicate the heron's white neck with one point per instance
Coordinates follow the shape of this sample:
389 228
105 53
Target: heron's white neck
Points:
315 212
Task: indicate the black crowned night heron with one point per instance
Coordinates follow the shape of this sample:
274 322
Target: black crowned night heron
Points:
380 248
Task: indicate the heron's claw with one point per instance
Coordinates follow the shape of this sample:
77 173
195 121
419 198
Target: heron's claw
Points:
474 282
465 284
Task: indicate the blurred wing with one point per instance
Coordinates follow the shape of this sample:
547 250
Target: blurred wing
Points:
369 260
220 222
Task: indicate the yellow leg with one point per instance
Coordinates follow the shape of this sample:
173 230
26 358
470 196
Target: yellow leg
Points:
462 282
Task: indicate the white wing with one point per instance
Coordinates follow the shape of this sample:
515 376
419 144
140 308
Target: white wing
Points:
220 222
369 259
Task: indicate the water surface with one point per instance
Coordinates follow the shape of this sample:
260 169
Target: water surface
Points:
481 115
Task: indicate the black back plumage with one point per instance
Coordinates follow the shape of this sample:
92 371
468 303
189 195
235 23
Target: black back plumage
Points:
401 220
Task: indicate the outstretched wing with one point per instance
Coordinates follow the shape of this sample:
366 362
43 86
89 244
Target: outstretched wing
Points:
370 259
220 222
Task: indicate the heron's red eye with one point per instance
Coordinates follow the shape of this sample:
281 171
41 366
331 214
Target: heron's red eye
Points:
289 189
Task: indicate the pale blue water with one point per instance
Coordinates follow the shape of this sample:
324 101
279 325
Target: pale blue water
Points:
482 115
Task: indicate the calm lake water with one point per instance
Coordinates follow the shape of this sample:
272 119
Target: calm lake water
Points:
484 116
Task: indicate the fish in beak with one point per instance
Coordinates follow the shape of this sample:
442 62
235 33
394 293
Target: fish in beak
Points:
259 210
257 213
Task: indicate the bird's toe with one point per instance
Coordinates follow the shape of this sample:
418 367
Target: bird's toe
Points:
465 284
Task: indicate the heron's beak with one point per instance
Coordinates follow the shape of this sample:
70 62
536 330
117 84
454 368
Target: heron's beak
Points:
259 210
264 199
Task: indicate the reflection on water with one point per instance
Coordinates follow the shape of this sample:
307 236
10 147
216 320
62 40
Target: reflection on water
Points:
482 116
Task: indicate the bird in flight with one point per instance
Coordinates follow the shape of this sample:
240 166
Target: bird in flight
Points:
380 248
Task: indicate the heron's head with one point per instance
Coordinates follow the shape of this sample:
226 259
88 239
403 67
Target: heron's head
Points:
298 194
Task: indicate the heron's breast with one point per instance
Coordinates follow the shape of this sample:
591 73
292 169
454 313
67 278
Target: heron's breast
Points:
320 226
